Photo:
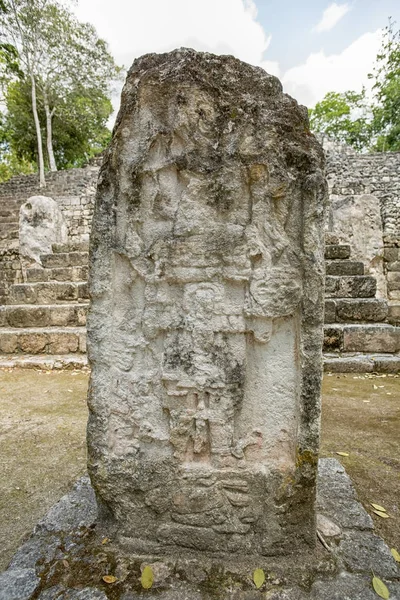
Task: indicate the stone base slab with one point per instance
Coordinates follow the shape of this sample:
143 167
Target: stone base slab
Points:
67 556
43 361
362 363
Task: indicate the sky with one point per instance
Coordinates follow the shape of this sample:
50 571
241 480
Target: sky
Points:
313 46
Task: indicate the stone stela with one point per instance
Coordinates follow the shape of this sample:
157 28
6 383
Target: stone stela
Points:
205 329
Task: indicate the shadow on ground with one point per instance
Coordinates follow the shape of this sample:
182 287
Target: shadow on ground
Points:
42 444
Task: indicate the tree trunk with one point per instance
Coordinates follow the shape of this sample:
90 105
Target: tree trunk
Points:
42 181
49 131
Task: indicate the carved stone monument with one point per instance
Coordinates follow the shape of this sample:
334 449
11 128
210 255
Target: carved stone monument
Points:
205 330
41 224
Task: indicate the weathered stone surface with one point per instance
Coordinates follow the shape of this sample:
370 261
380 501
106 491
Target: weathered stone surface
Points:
337 251
206 321
74 510
357 219
327 527
330 311
333 338
18 584
344 267
348 586
41 224
361 286
361 309
363 551
371 338
62 593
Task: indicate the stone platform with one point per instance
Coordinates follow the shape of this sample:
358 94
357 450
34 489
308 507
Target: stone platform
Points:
67 556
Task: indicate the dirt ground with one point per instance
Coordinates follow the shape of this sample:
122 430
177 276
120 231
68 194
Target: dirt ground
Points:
361 416
42 447
42 444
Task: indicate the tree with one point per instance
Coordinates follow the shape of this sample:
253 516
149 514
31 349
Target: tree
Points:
79 124
345 117
386 112
20 25
62 60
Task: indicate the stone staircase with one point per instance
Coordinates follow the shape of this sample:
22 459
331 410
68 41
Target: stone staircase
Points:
43 323
360 334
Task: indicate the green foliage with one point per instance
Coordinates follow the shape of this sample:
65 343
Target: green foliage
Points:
386 113
10 164
79 124
64 73
344 117
373 125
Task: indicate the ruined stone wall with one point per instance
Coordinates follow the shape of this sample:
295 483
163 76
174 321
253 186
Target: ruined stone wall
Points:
378 174
73 189
355 180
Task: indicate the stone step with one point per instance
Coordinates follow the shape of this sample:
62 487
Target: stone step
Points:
8 217
351 310
48 315
9 225
361 363
43 340
50 292
9 234
337 251
64 259
344 267
66 274
43 361
379 338
394 313
73 247
331 239
352 286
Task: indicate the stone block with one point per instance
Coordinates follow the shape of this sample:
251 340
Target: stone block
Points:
32 343
393 286
18 584
393 266
333 338
23 293
393 276
391 254
51 261
50 292
360 309
363 551
337 251
330 311
78 258
200 315
394 313
27 316
62 316
371 338
36 274
63 343
8 342
344 267
362 286
83 291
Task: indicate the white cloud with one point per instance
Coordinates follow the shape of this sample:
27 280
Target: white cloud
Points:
135 27
309 82
331 16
